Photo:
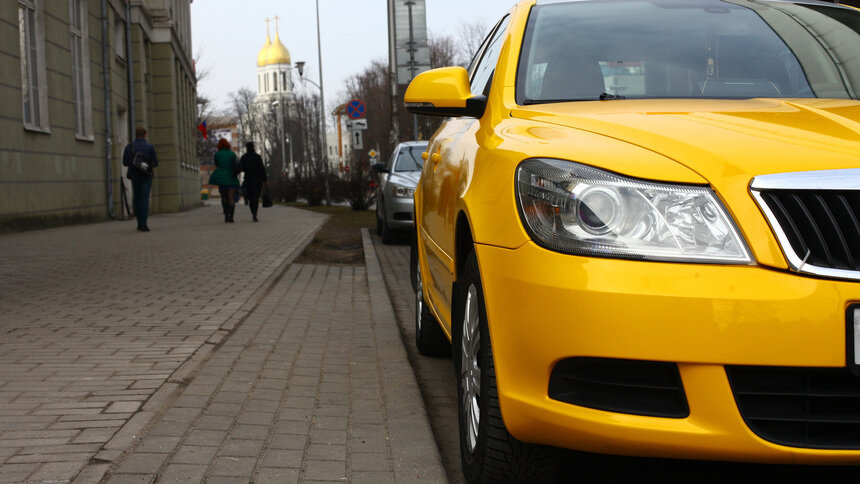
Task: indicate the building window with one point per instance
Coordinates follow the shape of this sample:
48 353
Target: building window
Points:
79 46
275 80
284 81
33 75
119 37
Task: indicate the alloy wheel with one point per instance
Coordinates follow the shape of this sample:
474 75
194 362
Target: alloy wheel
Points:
470 370
419 299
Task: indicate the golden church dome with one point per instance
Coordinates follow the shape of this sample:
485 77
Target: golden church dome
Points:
264 52
277 54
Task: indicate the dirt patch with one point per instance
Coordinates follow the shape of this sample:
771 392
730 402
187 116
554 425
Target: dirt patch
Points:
338 242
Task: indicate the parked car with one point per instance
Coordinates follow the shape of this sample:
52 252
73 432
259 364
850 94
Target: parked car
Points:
639 228
395 185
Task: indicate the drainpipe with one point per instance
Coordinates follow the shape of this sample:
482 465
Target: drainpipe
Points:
130 72
107 94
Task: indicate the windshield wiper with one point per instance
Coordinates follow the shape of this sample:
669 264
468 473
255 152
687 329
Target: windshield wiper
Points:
605 96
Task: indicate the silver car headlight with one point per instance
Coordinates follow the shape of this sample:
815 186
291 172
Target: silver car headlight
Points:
400 191
578 209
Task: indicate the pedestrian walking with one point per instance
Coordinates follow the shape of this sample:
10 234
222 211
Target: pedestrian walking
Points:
140 158
225 176
255 177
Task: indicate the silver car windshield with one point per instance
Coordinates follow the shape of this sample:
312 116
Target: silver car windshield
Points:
409 159
612 50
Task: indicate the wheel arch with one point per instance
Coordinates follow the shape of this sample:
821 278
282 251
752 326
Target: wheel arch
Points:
464 243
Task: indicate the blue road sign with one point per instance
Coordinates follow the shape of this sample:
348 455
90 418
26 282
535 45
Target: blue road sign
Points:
355 109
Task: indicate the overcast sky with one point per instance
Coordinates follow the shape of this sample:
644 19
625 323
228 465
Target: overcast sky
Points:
228 34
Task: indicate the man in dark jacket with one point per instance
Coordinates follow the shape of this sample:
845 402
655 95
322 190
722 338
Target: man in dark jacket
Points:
141 182
255 176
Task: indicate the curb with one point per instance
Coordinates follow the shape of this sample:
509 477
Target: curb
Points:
414 451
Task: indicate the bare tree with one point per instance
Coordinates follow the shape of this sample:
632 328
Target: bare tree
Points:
248 127
443 51
205 147
470 36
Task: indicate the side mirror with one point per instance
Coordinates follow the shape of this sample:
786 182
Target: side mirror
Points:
444 92
380 168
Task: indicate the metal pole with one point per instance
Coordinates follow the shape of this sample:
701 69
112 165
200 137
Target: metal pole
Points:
107 94
322 110
292 170
281 134
392 74
412 50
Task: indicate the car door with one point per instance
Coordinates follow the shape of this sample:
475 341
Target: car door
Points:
453 148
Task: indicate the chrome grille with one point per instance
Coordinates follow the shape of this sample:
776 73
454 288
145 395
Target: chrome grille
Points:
816 218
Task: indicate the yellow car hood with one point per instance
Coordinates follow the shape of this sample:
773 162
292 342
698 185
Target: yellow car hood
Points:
723 139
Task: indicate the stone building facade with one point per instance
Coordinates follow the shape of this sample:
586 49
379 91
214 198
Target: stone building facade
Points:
76 77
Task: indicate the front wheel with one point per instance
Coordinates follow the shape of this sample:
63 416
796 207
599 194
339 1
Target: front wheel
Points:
488 453
378 218
387 233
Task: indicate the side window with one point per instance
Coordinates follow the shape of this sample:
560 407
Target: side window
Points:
486 66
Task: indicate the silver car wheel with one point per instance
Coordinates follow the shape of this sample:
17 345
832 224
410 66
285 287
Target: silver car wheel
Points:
419 299
470 370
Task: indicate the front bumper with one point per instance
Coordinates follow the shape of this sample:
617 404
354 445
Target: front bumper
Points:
543 307
398 212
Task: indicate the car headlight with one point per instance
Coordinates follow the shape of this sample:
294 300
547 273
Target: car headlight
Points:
400 191
578 209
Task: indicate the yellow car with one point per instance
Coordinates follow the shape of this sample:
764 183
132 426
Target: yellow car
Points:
639 232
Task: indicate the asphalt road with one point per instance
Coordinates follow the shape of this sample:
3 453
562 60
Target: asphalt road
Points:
436 378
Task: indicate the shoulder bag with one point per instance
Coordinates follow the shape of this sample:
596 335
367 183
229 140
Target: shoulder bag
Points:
140 163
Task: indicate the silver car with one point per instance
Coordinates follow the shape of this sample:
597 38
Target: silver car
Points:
395 184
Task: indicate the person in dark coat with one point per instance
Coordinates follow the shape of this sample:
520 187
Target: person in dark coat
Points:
255 176
141 183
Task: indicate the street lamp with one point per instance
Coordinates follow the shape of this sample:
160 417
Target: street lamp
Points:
300 66
322 110
289 139
280 107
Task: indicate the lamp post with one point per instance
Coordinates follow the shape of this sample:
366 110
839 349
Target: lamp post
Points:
322 109
292 170
412 50
300 65
280 114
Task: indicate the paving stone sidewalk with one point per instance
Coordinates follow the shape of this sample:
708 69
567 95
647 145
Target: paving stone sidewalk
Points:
100 324
313 386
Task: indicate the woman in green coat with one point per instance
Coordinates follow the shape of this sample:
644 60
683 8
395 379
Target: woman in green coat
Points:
225 177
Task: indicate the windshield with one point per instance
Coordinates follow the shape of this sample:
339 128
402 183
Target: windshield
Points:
688 49
409 158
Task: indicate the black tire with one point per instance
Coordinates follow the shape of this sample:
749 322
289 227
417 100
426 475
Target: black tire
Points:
429 337
378 225
388 235
413 261
492 455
